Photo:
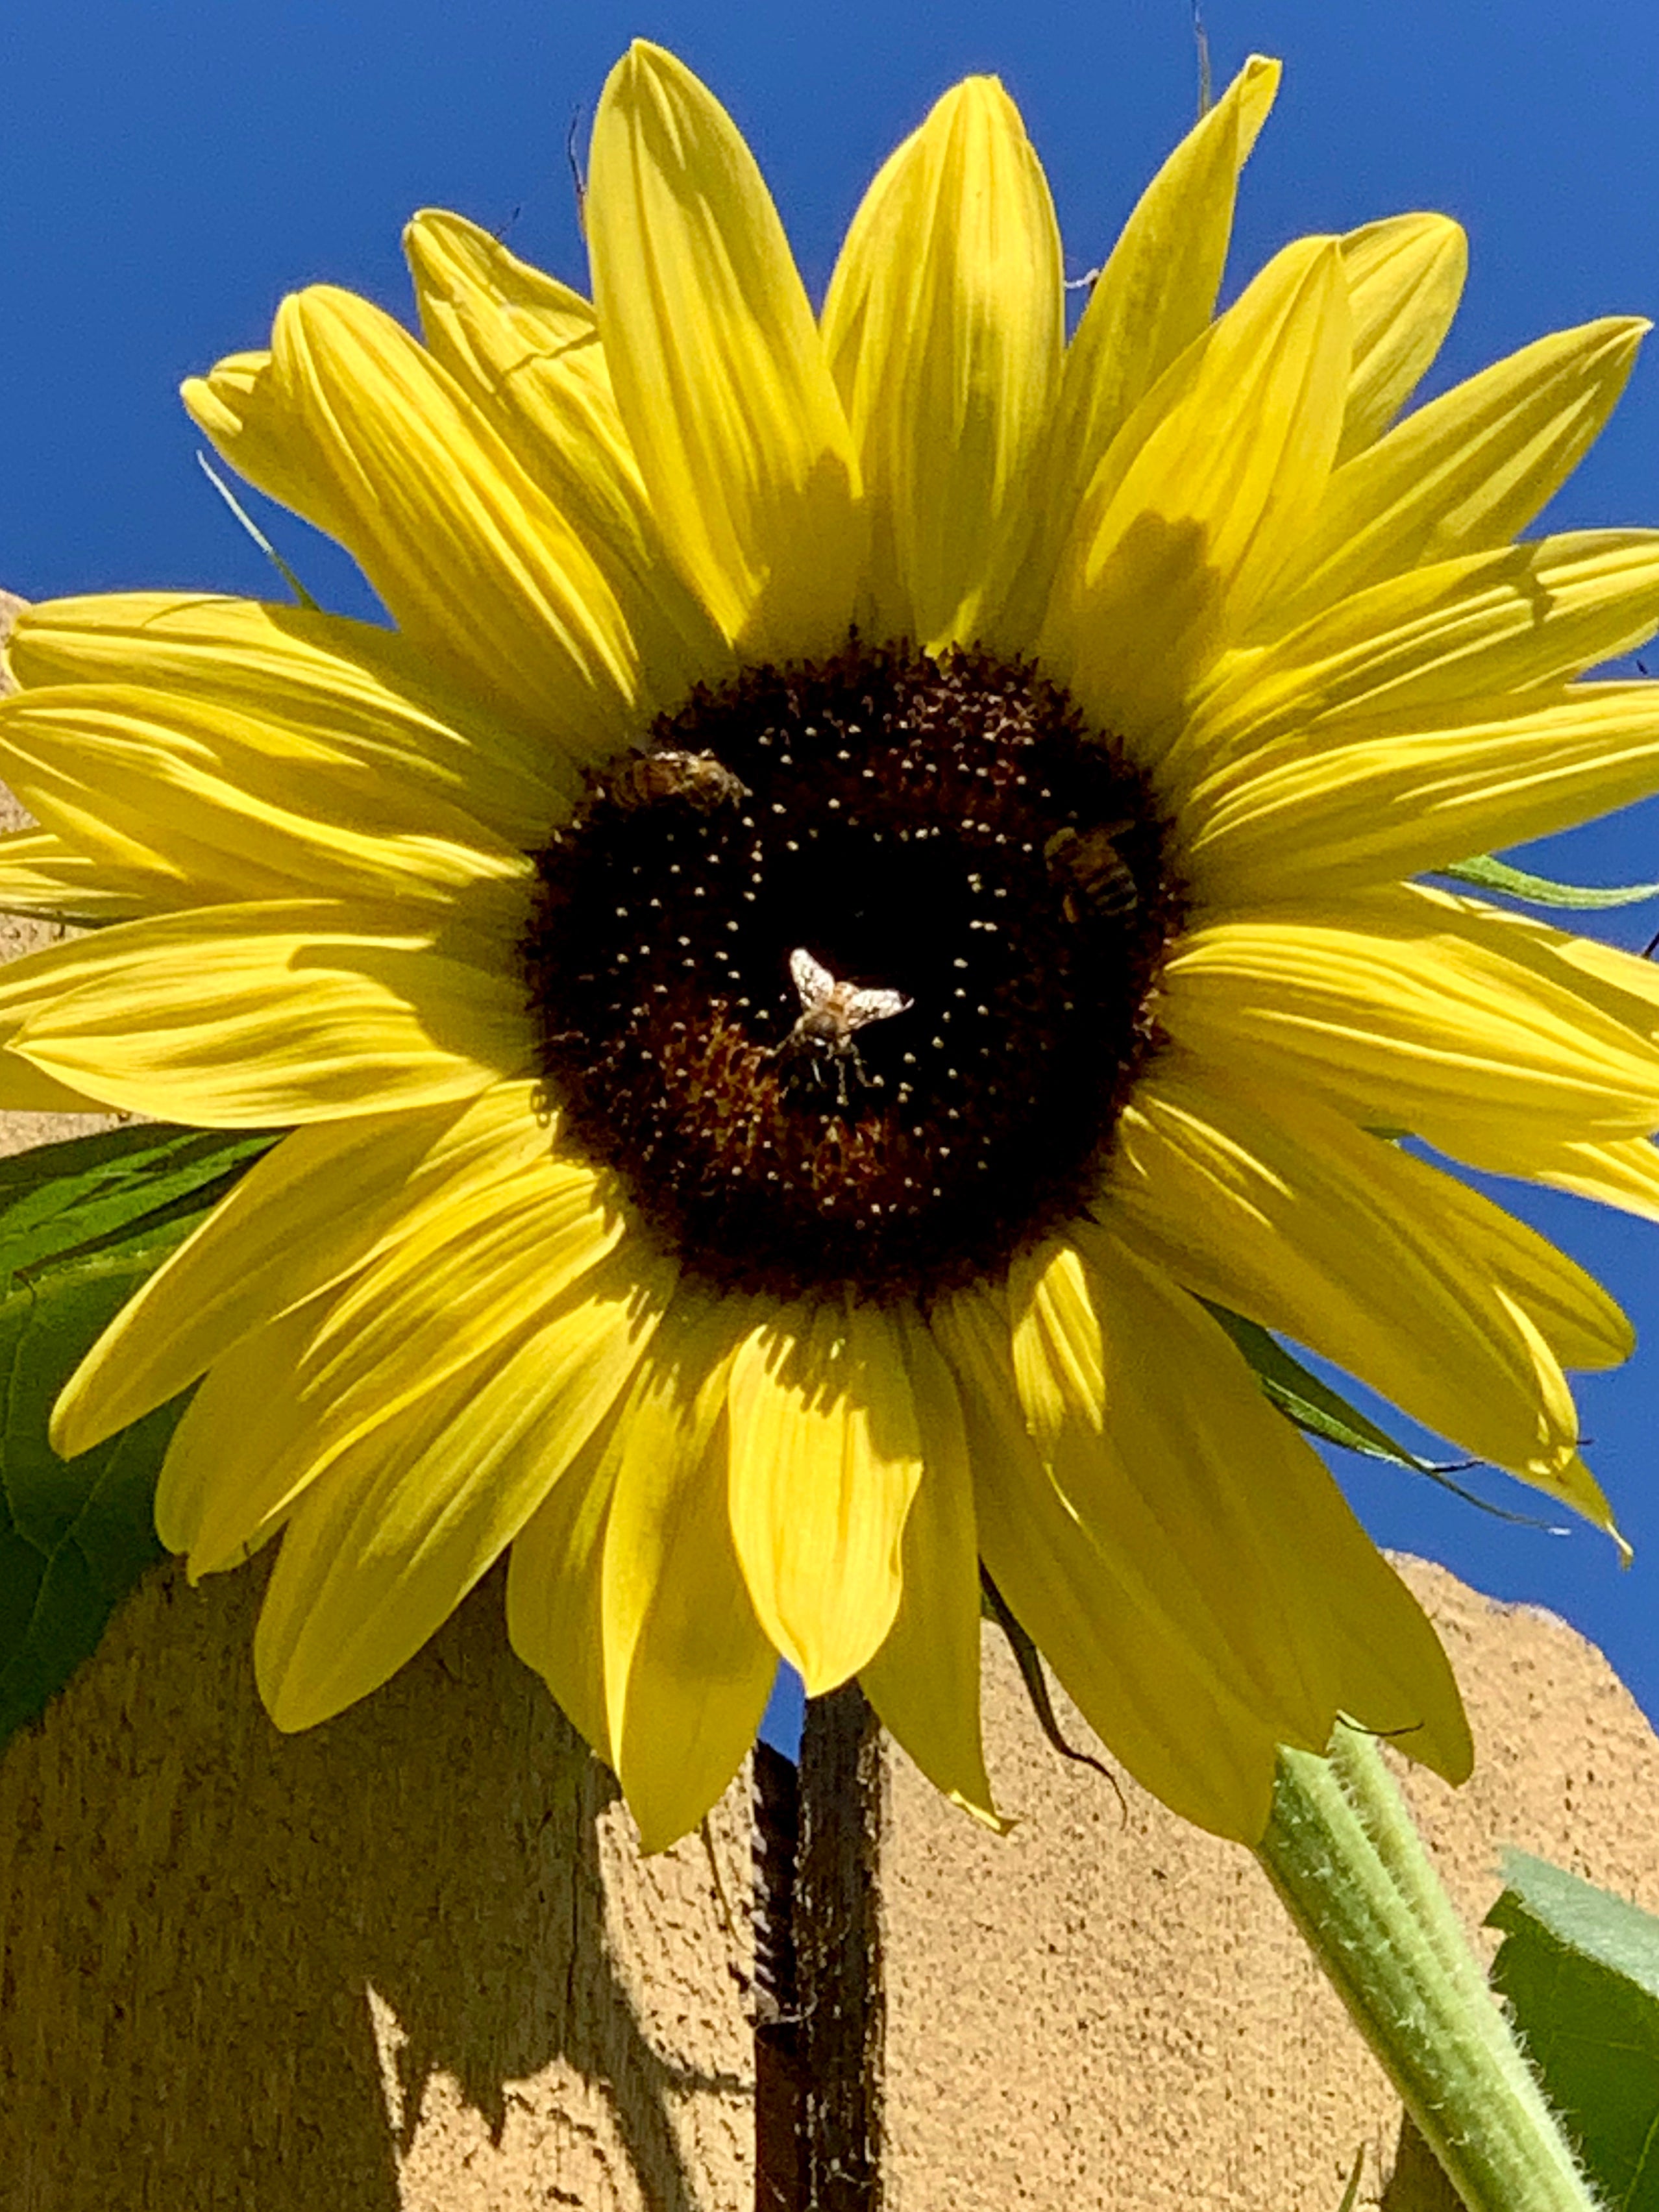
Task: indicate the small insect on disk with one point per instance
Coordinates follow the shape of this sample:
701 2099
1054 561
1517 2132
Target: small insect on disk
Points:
830 1014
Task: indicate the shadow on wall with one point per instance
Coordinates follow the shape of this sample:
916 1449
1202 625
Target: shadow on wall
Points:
194 1908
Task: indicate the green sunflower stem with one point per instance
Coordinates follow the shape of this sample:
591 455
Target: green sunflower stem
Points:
1344 1854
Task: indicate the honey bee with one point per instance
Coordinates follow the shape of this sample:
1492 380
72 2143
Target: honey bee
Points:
830 1013
697 779
1093 877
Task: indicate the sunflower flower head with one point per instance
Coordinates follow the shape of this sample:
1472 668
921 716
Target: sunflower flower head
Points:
869 889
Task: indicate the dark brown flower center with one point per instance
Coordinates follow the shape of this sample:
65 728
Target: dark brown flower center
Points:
848 973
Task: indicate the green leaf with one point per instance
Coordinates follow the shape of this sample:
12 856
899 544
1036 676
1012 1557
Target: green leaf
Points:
1318 1410
81 1225
1487 873
63 1201
1579 1970
1311 1404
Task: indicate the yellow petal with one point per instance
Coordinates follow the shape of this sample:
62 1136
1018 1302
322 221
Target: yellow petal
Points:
257 1016
1625 1173
555 1586
943 324
1393 1677
526 350
1095 1342
235 1427
1157 292
924 1681
1464 473
1282 1211
351 422
827 1451
1274 1549
42 876
370 696
382 1548
27 1089
1406 1010
514 1287
719 374
524 1228
1459 630
1176 540
1389 796
1405 278
152 787
281 1237
1099 1606
688 1668
624 1591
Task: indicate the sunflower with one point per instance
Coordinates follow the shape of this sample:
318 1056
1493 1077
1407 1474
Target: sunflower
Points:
869 889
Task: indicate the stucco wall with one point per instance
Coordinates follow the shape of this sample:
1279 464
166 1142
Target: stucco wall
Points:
1103 2012
410 1961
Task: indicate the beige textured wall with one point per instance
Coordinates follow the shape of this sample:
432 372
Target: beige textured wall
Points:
1091 2014
407 1962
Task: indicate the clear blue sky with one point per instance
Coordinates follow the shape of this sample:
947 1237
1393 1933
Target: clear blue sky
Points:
168 168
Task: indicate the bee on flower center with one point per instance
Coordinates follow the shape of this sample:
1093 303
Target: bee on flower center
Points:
1089 873
649 779
832 1013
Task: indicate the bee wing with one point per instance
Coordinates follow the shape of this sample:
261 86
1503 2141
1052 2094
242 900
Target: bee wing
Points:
864 1006
814 983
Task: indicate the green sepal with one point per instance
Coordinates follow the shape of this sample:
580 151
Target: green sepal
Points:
1579 1970
993 1605
1487 873
81 1225
1326 1415
258 535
